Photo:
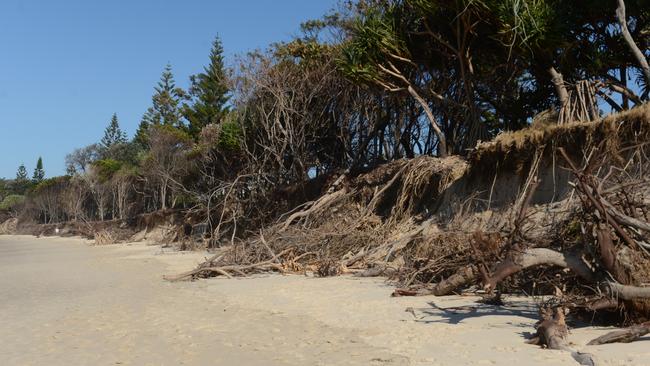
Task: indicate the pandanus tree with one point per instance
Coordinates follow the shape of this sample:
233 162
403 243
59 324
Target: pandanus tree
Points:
478 67
378 54
448 56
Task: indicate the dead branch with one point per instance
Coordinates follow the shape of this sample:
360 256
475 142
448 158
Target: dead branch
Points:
461 278
638 54
536 257
240 269
626 335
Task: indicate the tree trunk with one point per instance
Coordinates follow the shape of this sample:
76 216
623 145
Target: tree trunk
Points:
442 141
163 194
638 54
625 102
560 88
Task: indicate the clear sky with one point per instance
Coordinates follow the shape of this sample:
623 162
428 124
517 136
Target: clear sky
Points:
67 65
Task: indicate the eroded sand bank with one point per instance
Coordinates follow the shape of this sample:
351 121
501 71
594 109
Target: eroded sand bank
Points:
64 302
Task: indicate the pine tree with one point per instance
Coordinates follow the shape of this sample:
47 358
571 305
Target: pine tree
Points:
113 134
21 183
39 172
21 173
140 138
166 109
209 91
166 101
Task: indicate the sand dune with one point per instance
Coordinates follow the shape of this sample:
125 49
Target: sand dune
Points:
64 302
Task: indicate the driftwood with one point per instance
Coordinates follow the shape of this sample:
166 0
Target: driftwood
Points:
542 256
535 257
626 335
209 268
447 286
552 332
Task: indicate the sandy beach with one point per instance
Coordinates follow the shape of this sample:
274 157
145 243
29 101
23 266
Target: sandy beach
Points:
66 302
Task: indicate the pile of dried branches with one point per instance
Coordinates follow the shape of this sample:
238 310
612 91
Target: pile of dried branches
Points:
361 225
589 247
603 245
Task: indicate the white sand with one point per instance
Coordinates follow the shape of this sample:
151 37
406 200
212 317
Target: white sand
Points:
63 302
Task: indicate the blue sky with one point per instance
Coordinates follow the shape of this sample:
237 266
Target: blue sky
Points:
66 66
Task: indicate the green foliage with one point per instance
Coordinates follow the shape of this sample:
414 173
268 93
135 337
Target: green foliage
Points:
125 152
50 183
127 170
4 189
376 37
230 136
21 173
22 183
11 202
209 92
166 101
106 168
166 108
307 51
184 200
140 139
521 24
39 172
113 134
174 134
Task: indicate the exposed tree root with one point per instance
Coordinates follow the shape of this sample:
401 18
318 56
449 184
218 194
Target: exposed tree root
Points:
320 205
552 332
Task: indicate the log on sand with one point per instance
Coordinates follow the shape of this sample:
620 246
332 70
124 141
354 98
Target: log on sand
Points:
626 335
541 256
462 277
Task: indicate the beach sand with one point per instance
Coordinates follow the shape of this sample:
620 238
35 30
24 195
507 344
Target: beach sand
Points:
66 302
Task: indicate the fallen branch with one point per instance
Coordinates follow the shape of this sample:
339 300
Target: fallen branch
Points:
536 257
223 270
627 292
626 335
462 277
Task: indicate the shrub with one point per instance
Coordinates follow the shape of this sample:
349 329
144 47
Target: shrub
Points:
12 201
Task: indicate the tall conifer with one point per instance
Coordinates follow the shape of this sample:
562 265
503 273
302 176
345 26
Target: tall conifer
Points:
39 172
209 92
113 134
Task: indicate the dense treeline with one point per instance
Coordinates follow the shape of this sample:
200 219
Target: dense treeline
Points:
373 81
